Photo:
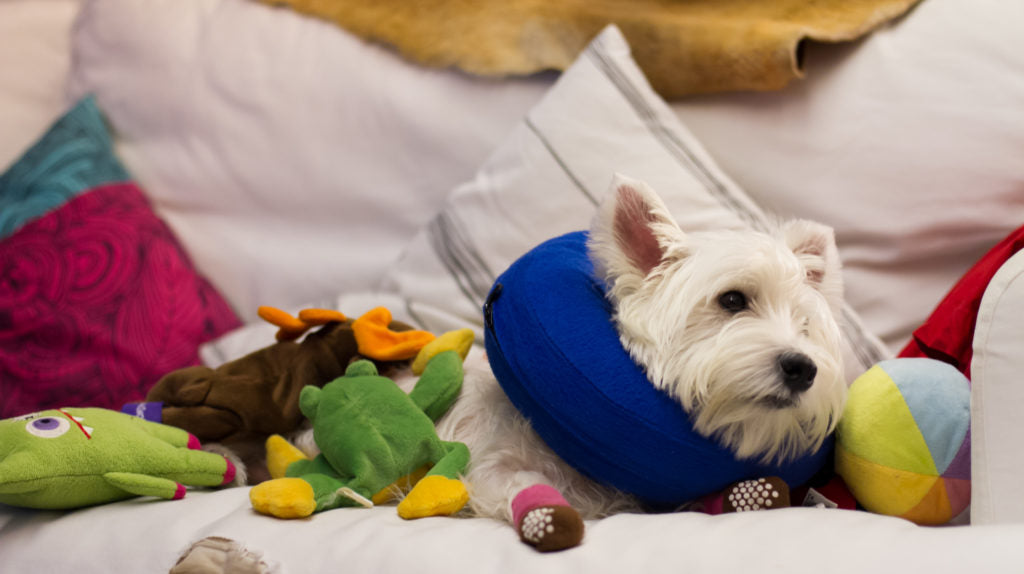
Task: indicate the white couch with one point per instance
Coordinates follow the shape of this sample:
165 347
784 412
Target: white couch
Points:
299 165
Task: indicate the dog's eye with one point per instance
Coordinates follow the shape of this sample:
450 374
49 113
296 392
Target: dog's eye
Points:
733 301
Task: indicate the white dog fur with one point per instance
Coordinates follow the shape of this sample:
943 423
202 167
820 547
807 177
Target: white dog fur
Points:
738 326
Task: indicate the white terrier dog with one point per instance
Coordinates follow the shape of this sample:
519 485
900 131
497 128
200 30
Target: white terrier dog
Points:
738 326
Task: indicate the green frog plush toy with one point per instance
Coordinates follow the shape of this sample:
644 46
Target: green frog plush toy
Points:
73 457
372 435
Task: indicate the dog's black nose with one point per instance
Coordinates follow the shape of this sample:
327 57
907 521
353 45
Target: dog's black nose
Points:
798 371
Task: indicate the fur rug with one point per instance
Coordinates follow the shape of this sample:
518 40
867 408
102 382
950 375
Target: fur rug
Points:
684 47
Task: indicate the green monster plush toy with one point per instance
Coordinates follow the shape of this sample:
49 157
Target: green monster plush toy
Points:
73 457
371 435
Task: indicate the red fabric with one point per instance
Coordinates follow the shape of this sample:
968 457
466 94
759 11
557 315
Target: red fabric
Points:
948 334
98 300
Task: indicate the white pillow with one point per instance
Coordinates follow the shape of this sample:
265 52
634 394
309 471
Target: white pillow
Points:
908 143
601 117
293 160
34 66
997 399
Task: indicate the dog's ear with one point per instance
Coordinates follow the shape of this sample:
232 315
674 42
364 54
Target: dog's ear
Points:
814 245
633 231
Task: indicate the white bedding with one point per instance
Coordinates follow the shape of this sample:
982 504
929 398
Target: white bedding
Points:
147 536
279 126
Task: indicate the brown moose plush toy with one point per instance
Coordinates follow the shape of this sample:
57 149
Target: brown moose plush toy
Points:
241 403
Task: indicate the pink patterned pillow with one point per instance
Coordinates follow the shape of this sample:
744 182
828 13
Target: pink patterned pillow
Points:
98 301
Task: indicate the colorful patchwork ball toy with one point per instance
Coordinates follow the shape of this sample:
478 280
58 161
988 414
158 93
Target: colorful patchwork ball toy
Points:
903 445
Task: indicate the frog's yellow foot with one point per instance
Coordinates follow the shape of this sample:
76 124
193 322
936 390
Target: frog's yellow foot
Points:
459 340
283 498
402 485
434 496
376 341
280 454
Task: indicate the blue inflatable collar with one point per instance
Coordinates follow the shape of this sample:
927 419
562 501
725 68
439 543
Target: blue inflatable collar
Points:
554 350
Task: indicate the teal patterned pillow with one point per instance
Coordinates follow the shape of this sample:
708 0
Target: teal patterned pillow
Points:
98 299
75 155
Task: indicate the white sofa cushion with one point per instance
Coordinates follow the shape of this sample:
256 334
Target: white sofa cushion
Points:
34 65
997 399
601 117
293 160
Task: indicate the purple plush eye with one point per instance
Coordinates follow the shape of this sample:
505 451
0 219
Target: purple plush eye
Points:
47 424
48 427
